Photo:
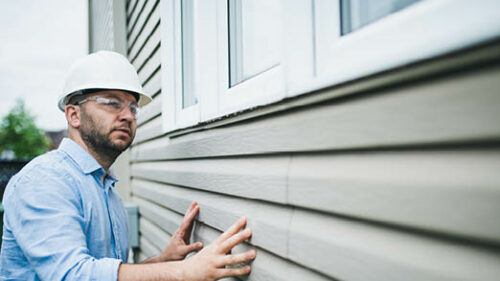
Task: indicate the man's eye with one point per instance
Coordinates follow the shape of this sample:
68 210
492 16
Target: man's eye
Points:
114 104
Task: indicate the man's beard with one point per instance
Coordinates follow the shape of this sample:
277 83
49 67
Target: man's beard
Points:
97 140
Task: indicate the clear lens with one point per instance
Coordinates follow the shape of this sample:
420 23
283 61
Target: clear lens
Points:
113 104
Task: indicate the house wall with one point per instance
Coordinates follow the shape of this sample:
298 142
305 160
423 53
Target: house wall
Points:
107 28
389 177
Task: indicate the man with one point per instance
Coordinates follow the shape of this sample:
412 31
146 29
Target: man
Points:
63 219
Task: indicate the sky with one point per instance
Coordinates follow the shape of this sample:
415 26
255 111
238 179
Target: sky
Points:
39 39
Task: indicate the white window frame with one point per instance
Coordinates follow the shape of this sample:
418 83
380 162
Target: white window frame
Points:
174 114
263 88
314 54
421 31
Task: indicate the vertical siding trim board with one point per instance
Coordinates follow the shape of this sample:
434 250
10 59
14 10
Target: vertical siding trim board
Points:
462 109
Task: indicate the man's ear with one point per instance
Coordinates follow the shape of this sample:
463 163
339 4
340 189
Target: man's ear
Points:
72 113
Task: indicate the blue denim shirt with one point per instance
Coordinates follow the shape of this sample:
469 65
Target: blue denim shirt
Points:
61 221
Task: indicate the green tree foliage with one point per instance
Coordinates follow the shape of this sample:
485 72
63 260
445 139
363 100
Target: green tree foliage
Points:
19 133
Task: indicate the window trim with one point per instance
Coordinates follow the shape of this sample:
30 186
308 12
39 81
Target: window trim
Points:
385 35
310 60
175 116
263 88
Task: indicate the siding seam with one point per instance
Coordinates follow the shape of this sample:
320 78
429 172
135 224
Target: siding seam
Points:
287 200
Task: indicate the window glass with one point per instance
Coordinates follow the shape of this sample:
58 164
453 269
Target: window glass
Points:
188 95
358 13
254 38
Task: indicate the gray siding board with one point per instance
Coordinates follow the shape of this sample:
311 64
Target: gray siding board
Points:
132 20
352 250
269 222
450 191
166 219
267 266
153 233
142 256
153 51
390 183
153 85
150 48
153 109
458 109
149 130
337 247
131 6
151 66
148 248
258 177
417 188
141 21
149 36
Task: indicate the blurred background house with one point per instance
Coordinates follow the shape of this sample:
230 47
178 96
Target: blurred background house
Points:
360 138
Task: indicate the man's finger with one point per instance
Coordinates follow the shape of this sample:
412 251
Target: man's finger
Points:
194 247
191 212
239 258
228 272
187 223
233 229
235 240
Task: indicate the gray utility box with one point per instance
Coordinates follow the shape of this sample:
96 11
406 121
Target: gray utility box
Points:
133 224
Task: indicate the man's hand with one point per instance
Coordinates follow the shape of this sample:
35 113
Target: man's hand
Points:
179 245
210 263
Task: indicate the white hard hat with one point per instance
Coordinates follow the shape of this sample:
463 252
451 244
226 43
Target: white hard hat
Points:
102 70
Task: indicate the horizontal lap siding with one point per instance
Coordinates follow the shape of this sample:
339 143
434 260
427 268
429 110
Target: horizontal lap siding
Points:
144 53
426 184
459 109
395 184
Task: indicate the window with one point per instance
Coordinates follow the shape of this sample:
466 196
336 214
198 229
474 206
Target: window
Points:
223 56
358 13
356 38
254 38
187 41
180 105
250 45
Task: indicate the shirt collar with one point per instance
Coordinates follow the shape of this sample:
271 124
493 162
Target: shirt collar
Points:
83 159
